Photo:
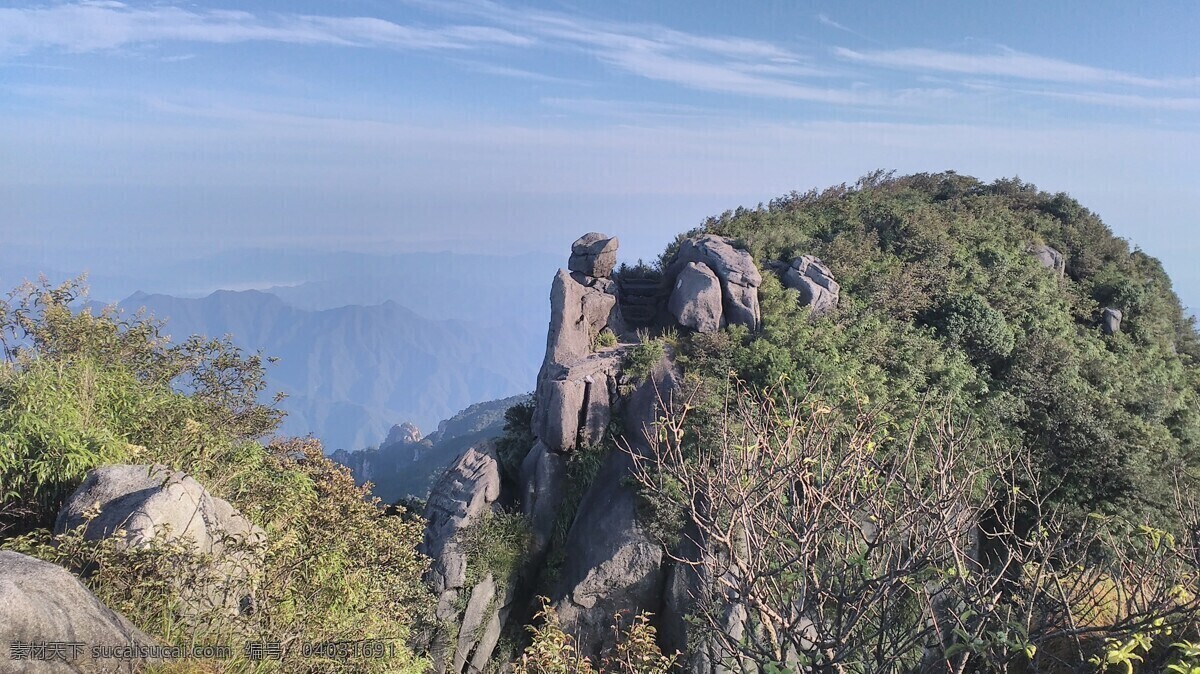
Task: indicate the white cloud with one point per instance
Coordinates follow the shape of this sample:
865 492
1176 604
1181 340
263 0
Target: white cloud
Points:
1004 63
88 27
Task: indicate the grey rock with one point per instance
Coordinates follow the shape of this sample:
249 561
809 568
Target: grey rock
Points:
464 494
612 563
1049 258
815 283
696 299
543 478
594 254
405 434
578 313
1111 320
144 503
43 602
735 268
573 403
480 610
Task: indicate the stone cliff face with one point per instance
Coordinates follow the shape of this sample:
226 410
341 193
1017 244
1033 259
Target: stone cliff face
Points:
609 562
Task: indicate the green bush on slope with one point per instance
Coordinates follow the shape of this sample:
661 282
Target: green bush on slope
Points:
80 390
941 298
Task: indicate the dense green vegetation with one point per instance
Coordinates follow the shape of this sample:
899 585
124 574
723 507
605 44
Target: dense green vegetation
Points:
78 391
940 299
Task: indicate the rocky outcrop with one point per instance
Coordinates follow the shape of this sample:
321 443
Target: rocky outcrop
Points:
696 299
144 502
44 603
464 495
405 434
1110 320
1049 258
612 563
574 402
580 307
594 254
575 385
734 267
815 283
543 480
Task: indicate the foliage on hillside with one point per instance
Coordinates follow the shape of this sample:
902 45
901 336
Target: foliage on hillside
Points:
940 299
79 390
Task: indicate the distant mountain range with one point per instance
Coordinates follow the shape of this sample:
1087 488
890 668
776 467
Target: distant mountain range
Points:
352 372
406 464
364 340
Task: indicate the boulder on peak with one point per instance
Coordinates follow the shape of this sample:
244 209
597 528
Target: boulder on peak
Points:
594 254
405 433
815 283
696 298
735 268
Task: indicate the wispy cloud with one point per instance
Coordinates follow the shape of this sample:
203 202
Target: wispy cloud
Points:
824 20
1004 63
98 26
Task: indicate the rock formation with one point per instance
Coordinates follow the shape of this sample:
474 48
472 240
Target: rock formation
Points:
696 299
405 433
734 267
144 503
44 603
463 496
815 283
594 254
1049 258
612 563
1111 320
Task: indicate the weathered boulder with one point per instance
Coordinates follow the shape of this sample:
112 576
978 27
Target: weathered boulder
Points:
44 603
594 254
146 501
696 299
573 402
543 480
405 434
1049 258
1111 320
734 267
578 312
464 494
612 563
143 504
815 283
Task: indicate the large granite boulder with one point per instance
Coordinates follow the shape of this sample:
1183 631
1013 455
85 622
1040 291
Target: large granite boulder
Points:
815 283
578 312
573 405
696 298
142 502
147 504
543 480
405 434
1049 258
612 562
594 254
463 496
44 603
1110 320
736 270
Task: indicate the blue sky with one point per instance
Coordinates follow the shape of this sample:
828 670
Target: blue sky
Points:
169 127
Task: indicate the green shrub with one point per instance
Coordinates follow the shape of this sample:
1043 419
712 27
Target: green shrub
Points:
604 339
497 544
642 357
